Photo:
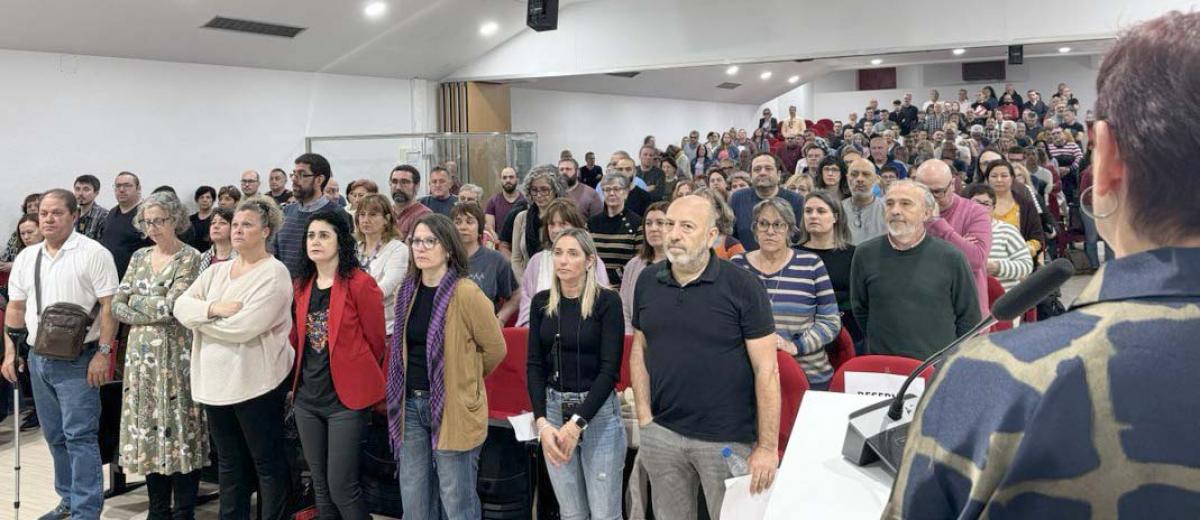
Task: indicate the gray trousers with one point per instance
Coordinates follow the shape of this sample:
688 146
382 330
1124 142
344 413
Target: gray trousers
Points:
331 443
677 465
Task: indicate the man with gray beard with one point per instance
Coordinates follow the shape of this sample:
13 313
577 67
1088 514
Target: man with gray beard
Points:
863 210
912 293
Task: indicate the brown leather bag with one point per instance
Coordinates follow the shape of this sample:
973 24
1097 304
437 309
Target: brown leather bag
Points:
63 326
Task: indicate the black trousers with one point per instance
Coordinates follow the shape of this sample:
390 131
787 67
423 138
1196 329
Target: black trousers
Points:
250 442
332 443
182 487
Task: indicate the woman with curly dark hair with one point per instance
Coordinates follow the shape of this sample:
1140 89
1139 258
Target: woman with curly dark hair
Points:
338 334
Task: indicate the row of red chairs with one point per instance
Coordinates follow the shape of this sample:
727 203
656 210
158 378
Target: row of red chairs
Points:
508 393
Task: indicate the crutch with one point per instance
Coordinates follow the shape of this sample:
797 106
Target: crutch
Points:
17 449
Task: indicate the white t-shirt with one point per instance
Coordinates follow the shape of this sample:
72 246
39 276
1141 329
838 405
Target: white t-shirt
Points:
81 273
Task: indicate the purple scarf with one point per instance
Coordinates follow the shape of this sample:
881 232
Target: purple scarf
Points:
434 356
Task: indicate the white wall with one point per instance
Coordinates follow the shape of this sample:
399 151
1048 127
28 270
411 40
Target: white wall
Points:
178 124
603 123
835 95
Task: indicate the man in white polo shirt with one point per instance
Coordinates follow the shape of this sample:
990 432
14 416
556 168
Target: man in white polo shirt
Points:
74 269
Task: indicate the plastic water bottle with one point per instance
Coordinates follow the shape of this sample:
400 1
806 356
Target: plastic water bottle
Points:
737 465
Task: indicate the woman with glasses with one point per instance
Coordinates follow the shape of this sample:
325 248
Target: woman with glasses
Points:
826 233
163 432
802 298
240 316
831 178
446 341
380 252
542 185
218 232
338 335
560 214
800 184
489 269
652 251
1009 260
576 339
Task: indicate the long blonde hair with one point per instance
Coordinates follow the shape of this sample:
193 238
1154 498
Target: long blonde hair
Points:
591 286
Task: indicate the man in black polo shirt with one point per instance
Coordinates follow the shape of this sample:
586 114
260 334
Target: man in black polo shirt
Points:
703 368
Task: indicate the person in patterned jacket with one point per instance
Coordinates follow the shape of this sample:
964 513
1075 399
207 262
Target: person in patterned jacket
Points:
1091 414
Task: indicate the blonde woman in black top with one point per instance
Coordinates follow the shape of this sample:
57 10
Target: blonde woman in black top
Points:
576 335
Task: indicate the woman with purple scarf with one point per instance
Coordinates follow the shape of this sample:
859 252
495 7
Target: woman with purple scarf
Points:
446 340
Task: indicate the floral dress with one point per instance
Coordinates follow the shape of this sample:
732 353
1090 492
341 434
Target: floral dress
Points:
162 430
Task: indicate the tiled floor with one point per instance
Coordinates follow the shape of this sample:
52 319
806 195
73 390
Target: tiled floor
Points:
37 477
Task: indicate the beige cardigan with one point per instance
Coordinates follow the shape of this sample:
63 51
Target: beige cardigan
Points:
244 356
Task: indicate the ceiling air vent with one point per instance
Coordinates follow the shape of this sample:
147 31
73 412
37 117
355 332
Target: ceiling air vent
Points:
624 74
252 27
729 86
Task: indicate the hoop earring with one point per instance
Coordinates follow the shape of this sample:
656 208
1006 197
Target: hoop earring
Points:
1092 215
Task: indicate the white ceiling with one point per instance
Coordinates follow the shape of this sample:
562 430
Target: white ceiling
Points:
414 39
699 83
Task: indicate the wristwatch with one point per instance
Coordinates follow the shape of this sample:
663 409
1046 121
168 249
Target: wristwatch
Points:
580 422
104 349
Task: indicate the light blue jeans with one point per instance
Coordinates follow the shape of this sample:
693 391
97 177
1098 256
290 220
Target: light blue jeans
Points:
589 485
435 484
69 411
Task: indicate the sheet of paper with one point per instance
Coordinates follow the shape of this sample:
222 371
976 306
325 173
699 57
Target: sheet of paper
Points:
881 385
739 504
523 426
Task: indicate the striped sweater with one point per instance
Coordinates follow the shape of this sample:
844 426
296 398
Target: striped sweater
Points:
805 308
617 239
1011 252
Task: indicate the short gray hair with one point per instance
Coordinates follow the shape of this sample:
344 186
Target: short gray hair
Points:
615 178
167 202
926 195
783 208
472 188
546 172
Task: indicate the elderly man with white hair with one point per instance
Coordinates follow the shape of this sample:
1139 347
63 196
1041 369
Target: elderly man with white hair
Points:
912 293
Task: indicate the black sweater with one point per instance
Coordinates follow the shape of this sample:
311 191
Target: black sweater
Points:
591 350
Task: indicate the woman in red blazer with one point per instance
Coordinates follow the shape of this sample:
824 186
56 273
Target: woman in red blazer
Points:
338 334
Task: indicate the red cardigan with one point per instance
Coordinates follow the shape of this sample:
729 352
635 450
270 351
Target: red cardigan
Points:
356 338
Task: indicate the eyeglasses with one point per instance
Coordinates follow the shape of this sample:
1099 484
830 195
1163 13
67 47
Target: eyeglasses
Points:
778 226
424 244
940 192
540 190
613 189
157 222
252 181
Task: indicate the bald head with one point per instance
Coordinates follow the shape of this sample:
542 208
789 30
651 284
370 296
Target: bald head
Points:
696 209
936 175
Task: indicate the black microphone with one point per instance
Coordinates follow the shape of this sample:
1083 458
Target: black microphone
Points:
871 435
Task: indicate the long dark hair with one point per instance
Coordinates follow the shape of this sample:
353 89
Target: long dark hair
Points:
446 234
347 255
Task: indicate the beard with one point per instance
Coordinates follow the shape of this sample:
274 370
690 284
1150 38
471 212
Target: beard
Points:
303 194
401 197
508 188
571 181
683 258
900 229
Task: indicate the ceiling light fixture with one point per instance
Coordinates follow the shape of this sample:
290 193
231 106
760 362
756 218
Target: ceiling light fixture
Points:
794 79
1064 50
375 9
959 52
766 75
489 28
732 70
876 61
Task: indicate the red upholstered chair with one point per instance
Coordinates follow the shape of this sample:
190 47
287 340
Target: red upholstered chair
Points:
506 388
844 349
995 291
879 364
625 381
792 385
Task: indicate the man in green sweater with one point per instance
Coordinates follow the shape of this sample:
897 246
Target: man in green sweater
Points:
911 293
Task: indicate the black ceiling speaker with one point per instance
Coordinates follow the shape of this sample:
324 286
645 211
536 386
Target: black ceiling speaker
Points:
542 15
1016 54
